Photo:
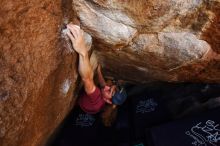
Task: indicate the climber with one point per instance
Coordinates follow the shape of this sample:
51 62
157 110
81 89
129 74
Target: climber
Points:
94 98
118 98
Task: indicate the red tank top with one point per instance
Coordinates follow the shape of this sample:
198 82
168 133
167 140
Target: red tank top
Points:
91 103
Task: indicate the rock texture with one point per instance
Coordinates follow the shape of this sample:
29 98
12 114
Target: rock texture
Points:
136 40
37 74
148 40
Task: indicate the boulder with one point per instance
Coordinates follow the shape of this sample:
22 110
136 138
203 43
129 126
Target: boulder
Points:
138 41
37 74
159 40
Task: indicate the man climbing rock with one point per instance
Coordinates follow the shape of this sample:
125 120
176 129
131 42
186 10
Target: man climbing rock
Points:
118 98
93 99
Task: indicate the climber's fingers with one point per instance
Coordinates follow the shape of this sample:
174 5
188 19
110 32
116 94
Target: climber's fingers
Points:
107 101
80 32
74 29
112 90
70 36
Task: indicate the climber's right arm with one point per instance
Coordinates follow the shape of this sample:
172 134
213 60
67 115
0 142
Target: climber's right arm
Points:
85 69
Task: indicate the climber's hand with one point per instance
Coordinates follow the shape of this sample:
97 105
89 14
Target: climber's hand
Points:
76 36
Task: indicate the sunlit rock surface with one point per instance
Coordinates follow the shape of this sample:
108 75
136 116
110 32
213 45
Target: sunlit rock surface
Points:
136 40
37 74
167 40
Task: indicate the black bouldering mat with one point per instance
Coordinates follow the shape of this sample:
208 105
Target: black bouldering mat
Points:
81 130
201 130
147 111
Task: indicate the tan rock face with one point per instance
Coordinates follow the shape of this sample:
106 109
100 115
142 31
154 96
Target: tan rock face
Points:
136 40
37 74
168 40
